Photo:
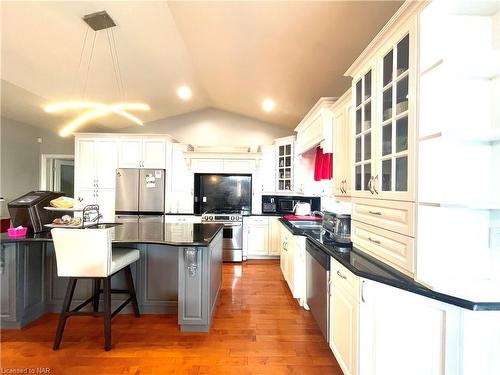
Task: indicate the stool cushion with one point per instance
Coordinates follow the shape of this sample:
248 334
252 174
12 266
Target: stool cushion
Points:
122 257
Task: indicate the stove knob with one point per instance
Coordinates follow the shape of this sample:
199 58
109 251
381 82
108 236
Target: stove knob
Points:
231 218
211 218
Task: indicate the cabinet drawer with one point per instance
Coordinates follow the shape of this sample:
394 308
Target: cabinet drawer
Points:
393 248
182 219
391 215
256 220
341 277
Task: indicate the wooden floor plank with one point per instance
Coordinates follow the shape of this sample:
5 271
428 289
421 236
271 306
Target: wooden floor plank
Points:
258 329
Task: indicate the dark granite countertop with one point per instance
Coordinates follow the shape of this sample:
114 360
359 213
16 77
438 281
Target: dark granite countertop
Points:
363 265
145 232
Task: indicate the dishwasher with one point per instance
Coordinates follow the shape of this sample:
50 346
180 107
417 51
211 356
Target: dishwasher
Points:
317 284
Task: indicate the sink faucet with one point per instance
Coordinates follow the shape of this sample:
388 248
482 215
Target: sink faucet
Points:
318 213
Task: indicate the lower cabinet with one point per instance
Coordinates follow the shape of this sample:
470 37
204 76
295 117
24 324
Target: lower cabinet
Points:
344 317
401 332
182 219
376 329
293 263
261 236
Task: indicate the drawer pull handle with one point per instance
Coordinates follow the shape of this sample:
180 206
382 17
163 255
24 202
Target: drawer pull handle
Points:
375 212
342 276
374 241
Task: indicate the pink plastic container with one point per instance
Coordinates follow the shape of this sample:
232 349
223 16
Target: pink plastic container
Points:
14 232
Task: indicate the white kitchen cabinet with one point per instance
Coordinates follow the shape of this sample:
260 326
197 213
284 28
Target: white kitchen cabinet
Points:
85 169
274 236
105 198
342 118
256 236
384 93
344 317
283 251
316 127
261 236
395 216
106 163
293 263
395 249
95 172
180 196
142 152
95 163
154 153
182 219
267 170
130 153
284 164
402 332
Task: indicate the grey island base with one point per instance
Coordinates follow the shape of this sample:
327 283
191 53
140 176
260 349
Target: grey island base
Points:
179 271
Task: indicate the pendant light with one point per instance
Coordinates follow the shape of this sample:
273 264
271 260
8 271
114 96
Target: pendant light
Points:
97 22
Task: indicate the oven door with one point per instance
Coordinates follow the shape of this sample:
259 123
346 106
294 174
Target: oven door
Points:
232 236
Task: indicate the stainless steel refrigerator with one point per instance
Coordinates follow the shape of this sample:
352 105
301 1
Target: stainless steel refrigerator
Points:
140 191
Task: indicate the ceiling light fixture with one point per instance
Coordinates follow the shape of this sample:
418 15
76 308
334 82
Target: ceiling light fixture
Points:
184 92
268 105
98 21
96 110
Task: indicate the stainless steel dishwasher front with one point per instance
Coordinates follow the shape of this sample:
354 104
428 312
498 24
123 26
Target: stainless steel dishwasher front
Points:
317 279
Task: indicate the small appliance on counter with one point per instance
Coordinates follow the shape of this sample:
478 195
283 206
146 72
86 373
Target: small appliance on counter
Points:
338 226
287 204
302 209
28 210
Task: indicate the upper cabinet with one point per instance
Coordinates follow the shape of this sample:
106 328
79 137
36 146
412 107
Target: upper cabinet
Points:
316 127
383 97
142 152
284 163
342 118
96 161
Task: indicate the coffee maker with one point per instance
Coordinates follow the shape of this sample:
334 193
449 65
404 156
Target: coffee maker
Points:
338 226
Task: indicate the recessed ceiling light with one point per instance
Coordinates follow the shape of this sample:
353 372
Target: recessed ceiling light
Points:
268 105
184 92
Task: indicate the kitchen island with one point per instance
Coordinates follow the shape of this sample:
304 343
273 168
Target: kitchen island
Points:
179 271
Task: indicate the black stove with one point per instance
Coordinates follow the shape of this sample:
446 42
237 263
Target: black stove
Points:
223 215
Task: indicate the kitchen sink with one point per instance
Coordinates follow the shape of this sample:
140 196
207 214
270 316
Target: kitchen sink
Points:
306 224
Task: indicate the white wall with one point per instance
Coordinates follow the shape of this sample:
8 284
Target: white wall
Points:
213 127
20 157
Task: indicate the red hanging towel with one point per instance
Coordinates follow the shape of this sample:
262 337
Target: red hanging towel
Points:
323 165
318 164
327 165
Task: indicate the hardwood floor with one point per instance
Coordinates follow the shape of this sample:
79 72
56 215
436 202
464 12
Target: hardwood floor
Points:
258 329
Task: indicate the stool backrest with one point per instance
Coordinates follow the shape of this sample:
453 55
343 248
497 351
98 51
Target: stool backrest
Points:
82 252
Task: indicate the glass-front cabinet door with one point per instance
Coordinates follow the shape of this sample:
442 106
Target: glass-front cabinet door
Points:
285 167
363 103
384 128
394 127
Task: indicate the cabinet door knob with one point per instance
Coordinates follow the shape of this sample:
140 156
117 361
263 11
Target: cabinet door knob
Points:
375 213
342 276
374 241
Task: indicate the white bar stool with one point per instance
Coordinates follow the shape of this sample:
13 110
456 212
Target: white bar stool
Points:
87 253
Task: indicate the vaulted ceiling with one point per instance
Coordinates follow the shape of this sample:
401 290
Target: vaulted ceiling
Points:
232 55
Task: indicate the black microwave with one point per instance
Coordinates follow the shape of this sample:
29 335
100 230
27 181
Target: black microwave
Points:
285 205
